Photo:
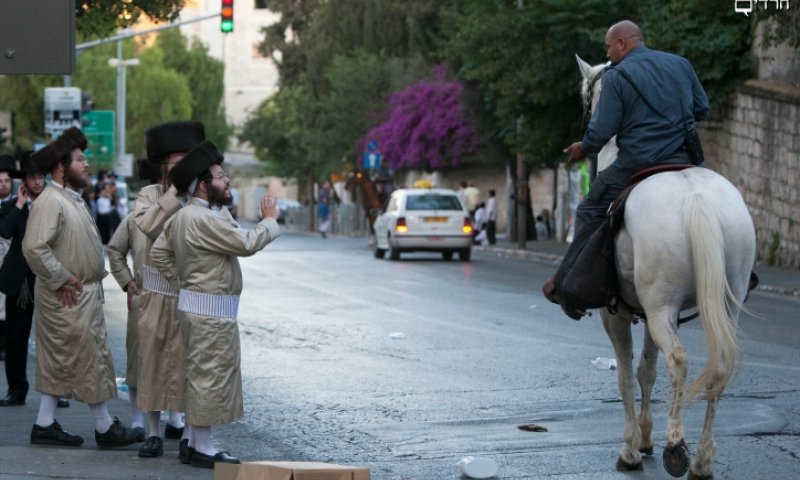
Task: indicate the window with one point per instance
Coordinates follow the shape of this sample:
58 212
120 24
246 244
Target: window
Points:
261 4
433 202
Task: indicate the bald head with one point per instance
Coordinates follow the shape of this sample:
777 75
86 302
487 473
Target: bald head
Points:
621 38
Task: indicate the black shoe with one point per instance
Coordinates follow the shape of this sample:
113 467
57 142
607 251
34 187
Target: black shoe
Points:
62 403
11 401
207 461
173 433
54 435
153 447
140 433
185 452
117 435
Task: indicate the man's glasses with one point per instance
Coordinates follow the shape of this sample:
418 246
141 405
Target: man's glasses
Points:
220 175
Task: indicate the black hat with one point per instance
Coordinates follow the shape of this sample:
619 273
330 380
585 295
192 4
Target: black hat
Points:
47 158
8 164
147 170
172 137
26 165
198 160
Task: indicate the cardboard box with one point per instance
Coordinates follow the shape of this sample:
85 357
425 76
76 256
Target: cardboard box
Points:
288 471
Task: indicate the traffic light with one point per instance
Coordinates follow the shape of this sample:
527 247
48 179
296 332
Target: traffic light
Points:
226 26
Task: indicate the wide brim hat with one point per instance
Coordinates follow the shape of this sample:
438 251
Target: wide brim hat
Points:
147 170
172 137
26 165
48 157
193 164
8 164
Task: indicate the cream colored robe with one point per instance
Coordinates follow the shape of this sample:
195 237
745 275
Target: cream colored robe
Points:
198 249
161 352
72 353
128 238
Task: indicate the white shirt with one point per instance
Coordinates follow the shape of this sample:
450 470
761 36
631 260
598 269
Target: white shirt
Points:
103 205
491 209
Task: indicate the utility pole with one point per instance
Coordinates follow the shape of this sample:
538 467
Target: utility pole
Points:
522 181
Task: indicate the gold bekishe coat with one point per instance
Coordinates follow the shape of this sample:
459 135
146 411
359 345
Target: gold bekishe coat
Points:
128 238
72 353
198 252
161 351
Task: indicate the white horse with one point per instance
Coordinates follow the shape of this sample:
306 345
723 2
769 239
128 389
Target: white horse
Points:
688 241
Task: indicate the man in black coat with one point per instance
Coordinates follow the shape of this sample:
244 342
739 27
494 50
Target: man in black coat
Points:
7 166
16 280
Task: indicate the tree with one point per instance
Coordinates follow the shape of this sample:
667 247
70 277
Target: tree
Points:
98 18
426 126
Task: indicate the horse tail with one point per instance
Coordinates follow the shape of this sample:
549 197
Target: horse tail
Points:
718 307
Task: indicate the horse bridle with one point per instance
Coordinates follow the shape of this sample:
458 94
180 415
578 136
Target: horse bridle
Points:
587 105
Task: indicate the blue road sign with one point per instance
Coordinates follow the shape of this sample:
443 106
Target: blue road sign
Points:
372 159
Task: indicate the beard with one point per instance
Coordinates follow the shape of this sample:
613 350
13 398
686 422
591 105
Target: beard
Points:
219 197
75 180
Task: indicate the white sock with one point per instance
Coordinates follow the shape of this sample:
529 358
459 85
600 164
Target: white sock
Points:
102 419
187 434
153 424
175 419
202 440
47 410
137 416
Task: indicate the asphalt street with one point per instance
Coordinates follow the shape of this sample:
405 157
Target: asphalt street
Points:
406 367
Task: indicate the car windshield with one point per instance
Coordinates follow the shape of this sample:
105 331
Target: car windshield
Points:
432 202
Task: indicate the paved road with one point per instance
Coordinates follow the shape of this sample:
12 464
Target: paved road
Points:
406 367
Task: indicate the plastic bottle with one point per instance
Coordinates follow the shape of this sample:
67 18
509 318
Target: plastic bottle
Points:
603 363
478 467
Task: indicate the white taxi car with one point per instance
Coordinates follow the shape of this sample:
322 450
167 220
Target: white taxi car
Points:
423 220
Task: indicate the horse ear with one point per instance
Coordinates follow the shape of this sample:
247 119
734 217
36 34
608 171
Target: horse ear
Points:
586 69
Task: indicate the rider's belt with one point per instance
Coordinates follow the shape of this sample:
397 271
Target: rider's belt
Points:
153 281
208 304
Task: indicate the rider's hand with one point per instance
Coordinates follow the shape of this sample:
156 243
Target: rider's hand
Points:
575 153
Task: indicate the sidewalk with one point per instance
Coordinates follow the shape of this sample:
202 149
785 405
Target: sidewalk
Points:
19 460
774 280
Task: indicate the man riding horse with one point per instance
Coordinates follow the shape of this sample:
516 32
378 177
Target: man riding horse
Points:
647 99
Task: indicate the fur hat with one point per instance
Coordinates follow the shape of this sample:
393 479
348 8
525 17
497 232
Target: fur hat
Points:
26 165
8 164
48 157
198 160
147 170
172 137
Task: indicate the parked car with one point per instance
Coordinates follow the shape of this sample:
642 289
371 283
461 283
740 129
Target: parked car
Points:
423 219
284 205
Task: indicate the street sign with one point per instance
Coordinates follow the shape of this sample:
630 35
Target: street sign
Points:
62 109
372 160
99 131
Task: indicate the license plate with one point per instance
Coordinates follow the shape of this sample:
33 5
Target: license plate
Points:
435 219
435 239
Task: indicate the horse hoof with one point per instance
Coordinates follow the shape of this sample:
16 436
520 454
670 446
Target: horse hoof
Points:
623 466
676 459
694 476
646 450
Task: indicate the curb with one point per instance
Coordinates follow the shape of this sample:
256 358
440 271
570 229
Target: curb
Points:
556 258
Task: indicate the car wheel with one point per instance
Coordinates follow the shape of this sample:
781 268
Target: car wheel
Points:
464 254
394 252
447 254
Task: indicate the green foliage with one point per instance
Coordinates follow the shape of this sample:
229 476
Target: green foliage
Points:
99 18
710 34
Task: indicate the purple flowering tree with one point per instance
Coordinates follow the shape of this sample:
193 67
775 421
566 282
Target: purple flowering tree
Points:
425 126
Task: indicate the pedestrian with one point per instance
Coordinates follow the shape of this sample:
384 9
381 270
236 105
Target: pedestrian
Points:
646 135
479 236
17 281
199 250
63 250
104 209
541 228
161 351
324 208
129 239
491 218
7 165
473 198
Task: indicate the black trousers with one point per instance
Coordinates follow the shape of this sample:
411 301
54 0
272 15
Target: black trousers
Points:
491 231
18 331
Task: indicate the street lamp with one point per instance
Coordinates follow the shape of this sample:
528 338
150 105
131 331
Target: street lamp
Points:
120 65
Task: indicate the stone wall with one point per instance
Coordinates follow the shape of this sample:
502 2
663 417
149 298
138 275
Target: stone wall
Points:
756 145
